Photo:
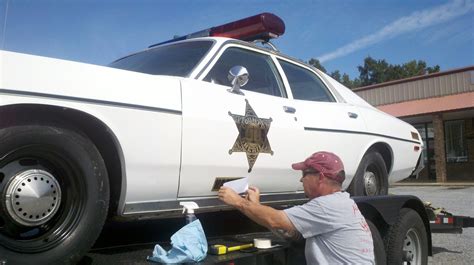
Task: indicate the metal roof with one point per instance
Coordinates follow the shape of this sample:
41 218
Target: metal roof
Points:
439 84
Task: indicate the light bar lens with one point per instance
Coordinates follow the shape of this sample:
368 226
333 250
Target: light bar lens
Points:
262 26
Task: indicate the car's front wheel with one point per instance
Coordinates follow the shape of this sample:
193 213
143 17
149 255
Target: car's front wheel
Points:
54 195
371 177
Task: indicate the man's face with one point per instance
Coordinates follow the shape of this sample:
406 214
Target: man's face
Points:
311 183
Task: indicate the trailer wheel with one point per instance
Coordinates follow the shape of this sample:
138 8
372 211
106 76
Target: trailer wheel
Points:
371 177
54 194
379 249
406 240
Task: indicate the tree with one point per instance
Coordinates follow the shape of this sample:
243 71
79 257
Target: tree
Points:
316 63
375 71
336 75
379 71
433 69
346 81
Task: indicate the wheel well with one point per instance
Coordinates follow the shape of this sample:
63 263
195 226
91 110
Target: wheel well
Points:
386 152
80 122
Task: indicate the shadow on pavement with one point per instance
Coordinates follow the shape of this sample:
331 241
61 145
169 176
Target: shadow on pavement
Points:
437 250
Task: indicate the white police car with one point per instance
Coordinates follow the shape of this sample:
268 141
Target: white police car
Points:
173 123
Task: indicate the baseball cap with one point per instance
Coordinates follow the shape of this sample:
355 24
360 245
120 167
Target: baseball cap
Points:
325 163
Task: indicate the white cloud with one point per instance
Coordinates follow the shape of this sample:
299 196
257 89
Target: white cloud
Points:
415 21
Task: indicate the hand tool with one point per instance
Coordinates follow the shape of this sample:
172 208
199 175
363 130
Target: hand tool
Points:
222 249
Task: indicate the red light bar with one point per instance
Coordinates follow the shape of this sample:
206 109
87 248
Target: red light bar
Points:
262 26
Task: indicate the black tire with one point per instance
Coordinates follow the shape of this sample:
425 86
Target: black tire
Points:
379 248
406 237
79 173
373 165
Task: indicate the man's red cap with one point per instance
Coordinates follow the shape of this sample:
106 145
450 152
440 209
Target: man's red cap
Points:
325 163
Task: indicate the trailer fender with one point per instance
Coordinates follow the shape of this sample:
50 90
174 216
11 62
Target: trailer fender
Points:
383 211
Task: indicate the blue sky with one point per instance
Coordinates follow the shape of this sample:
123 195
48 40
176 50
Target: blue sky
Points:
340 33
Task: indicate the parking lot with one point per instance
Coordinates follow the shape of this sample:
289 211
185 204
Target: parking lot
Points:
131 243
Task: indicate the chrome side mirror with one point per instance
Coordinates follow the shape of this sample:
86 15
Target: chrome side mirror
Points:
239 77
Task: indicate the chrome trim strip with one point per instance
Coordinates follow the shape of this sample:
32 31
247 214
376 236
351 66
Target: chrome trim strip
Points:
205 204
358 132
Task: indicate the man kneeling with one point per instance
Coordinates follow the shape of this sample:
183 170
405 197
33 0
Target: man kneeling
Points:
334 229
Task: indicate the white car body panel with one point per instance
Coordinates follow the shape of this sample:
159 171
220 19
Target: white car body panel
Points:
88 81
404 154
151 155
174 134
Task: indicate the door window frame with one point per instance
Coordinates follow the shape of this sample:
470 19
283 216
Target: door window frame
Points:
223 48
301 65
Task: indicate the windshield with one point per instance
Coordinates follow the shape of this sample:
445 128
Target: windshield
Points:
176 59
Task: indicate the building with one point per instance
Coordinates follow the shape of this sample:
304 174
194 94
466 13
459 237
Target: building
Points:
441 107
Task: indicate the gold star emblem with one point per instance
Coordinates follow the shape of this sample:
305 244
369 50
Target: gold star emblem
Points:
252 138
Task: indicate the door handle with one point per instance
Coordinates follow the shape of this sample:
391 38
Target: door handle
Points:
352 115
289 109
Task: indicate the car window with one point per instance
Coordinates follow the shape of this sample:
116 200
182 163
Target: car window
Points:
263 76
176 59
304 84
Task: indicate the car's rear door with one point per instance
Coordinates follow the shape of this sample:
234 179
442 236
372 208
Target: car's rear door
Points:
328 125
228 135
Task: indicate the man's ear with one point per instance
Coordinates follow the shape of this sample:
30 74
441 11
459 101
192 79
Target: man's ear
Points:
321 178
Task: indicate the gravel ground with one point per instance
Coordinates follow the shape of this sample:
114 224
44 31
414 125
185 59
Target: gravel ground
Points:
448 248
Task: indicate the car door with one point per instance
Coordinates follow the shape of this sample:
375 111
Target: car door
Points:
328 125
228 135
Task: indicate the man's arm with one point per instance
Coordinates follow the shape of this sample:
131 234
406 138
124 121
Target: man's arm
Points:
275 220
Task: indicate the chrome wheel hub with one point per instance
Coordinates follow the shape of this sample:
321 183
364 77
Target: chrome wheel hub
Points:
412 248
32 197
370 183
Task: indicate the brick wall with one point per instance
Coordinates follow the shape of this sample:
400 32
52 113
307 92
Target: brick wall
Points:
439 148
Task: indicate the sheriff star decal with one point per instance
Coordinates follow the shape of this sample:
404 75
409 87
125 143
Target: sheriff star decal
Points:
252 138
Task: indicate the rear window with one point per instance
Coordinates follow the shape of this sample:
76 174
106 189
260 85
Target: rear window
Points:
304 84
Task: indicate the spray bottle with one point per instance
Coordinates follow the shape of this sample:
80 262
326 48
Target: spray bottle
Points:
189 208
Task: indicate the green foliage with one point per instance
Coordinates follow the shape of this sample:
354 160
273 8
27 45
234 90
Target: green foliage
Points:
336 75
379 71
317 64
346 81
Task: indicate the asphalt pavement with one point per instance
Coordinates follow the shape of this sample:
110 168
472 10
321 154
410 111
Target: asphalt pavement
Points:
131 242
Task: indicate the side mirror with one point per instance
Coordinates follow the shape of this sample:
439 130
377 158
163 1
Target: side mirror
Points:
239 77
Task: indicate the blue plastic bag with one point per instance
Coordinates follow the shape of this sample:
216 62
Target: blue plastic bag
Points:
189 244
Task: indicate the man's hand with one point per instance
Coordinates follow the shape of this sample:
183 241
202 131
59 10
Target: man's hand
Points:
229 196
272 219
253 194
